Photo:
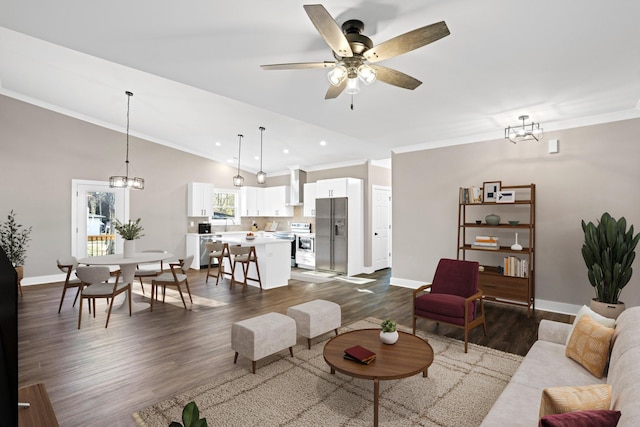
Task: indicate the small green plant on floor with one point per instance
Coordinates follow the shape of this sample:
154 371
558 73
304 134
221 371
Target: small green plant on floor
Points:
388 326
190 417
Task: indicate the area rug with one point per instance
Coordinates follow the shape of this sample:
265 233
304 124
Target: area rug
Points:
300 391
312 276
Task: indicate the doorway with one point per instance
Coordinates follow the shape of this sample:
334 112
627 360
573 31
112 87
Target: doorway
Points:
381 224
95 206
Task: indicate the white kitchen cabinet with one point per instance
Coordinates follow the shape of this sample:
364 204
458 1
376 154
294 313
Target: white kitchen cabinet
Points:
200 199
251 201
276 199
309 207
269 201
332 188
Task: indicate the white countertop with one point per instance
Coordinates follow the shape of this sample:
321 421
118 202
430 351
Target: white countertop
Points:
259 240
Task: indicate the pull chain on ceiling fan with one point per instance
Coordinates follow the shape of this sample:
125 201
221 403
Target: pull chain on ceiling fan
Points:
356 56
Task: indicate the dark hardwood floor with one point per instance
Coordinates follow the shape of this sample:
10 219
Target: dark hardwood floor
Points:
99 377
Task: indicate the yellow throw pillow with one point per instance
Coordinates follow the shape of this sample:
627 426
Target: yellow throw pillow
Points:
589 345
559 400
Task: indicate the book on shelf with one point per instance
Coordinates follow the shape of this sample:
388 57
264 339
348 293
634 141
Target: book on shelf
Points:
489 248
359 354
470 195
516 267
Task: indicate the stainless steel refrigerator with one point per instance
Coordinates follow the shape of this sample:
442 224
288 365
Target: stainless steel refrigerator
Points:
332 234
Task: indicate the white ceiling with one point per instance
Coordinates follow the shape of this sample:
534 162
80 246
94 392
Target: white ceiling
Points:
193 67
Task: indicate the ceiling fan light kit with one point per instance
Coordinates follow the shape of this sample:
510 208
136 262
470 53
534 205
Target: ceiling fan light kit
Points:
523 132
119 181
355 53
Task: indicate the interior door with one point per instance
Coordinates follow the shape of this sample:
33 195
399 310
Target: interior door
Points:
381 222
95 207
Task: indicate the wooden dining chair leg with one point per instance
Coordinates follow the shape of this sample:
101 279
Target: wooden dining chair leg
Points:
80 313
246 274
129 290
182 297
76 298
94 307
233 274
186 282
141 285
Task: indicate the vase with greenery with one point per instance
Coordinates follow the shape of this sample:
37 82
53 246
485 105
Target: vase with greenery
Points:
389 333
190 417
130 232
609 252
14 239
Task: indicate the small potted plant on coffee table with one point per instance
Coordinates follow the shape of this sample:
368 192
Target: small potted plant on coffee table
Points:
388 334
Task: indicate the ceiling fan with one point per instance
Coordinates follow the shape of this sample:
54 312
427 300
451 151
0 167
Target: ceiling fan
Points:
355 55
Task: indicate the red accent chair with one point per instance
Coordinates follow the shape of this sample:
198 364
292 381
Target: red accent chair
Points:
453 297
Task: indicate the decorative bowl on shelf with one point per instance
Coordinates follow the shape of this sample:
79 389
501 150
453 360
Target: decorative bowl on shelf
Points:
514 223
492 219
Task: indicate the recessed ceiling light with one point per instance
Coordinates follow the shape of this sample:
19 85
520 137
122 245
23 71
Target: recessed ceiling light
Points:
230 161
285 151
323 143
256 157
218 144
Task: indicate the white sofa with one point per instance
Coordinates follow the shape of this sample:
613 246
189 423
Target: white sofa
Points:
546 365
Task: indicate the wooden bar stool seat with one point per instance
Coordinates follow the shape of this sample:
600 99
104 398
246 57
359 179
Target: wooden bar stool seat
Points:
244 255
218 251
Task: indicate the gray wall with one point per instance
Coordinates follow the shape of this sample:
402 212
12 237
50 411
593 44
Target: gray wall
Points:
595 171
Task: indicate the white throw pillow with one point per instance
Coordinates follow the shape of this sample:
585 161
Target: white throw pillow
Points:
604 321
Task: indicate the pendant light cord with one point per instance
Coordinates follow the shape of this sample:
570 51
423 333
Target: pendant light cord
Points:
129 95
239 145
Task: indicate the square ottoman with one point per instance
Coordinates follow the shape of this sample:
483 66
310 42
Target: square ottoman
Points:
262 336
315 318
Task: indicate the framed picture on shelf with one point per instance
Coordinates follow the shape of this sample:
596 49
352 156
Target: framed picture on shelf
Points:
506 196
490 191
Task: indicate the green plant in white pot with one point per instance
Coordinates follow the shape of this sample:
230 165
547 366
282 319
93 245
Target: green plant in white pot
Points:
130 232
389 333
609 252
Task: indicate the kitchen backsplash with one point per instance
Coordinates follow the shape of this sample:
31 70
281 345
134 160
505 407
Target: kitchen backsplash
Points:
246 222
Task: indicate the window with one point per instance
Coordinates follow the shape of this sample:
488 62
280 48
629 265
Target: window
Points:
226 206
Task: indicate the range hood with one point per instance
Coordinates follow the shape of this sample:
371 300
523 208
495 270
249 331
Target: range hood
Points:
297 180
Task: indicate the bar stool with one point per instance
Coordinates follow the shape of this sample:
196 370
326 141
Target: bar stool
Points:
244 255
218 251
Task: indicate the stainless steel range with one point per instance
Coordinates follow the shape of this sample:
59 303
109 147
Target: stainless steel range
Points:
305 245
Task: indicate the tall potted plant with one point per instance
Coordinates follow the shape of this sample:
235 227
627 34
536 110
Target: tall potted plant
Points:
608 252
14 239
129 232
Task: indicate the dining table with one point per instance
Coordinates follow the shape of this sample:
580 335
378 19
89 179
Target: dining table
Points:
128 267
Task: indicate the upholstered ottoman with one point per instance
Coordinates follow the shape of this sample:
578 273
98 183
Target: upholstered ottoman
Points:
262 336
316 317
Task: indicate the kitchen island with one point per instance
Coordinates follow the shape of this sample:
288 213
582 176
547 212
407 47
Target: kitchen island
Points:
274 258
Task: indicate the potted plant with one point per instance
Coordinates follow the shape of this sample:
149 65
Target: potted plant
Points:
13 239
190 417
388 334
129 232
608 252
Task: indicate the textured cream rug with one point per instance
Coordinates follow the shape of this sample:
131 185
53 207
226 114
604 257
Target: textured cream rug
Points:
300 391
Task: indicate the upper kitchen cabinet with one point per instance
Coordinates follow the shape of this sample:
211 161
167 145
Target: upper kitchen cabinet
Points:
276 201
310 191
251 201
337 187
269 201
200 199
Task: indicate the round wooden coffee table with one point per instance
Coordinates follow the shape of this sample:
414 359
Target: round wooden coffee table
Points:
407 357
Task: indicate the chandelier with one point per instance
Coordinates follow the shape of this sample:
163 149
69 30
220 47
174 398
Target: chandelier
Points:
238 180
261 176
524 132
126 181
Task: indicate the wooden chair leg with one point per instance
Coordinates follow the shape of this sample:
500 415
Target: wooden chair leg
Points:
208 269
141 285
129 300
181 297
186 283
153 294
64 291
80 312
74 300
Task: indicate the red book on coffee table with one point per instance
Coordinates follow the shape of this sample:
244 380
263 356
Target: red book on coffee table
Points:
360 354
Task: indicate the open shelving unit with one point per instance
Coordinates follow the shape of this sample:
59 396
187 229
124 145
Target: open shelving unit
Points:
495 285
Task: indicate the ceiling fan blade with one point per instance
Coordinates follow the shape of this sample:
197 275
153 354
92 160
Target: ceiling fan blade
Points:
407 42
395 78
334 91
329 29
299 65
